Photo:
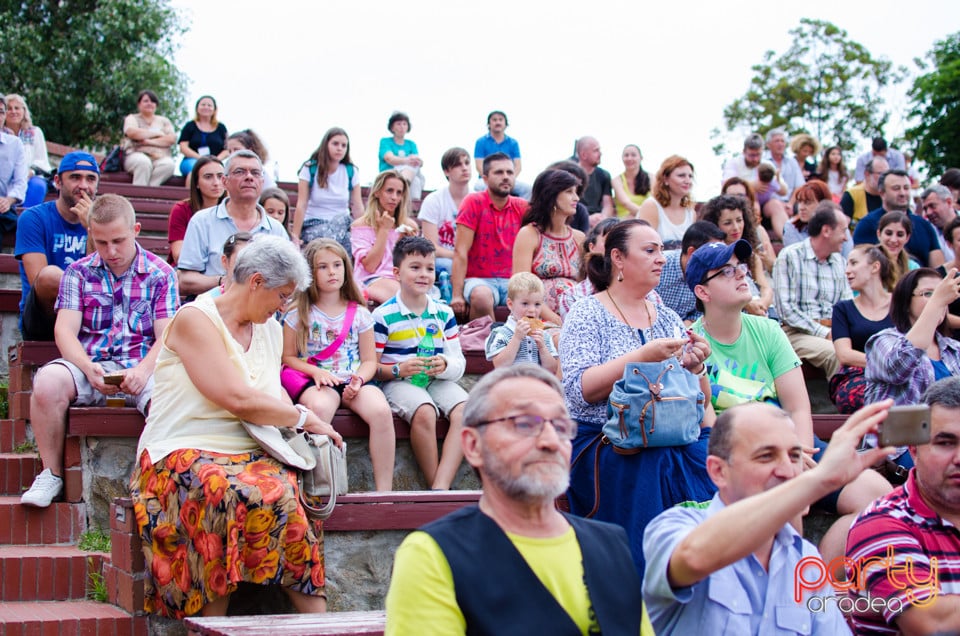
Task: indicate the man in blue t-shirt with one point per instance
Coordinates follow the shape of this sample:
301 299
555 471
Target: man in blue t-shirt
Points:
924 245
496 140
50 236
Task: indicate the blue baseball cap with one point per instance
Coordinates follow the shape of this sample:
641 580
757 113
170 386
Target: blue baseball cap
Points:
714 256
78 161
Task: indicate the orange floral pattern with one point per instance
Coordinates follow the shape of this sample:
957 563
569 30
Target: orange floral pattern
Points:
208 521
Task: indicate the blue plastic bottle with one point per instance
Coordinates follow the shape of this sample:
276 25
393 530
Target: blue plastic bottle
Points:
446 289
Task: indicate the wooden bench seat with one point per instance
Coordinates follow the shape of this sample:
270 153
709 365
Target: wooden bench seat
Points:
127 422
370 623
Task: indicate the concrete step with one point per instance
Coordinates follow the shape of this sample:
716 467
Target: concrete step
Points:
61 523
69 619
17 471
46 573
12 434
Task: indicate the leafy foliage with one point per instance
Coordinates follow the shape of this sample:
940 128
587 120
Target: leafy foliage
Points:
824 84
94 540
935 99
81 63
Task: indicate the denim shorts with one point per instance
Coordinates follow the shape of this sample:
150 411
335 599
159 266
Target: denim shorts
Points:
497 285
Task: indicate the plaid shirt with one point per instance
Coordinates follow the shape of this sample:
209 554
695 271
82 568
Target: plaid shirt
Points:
119 312
807 289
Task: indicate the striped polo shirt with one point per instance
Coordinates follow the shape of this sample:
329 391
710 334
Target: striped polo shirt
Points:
397 330
901 524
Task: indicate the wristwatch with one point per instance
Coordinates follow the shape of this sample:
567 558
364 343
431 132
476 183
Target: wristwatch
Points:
396 370
303 418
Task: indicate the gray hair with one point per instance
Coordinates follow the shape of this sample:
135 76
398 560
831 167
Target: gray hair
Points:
773 132
941 191
241 154
479 405
753 142
276 259
945 393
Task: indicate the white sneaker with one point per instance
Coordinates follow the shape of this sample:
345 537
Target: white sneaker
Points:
46 487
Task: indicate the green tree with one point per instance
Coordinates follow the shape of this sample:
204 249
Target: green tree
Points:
824 84
935 99
81 63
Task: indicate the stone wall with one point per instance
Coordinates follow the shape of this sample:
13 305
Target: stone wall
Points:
108 463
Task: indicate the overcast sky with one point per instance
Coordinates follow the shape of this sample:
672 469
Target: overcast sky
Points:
657 74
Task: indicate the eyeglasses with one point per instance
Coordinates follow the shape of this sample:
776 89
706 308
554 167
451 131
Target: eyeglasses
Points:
242 172
532 425
727 271
927 293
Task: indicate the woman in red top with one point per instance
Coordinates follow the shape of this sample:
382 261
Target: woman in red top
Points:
206 190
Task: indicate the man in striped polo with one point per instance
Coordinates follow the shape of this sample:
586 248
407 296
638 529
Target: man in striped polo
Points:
909 537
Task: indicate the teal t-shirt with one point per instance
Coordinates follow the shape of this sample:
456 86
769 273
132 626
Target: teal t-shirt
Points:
387 144
745 370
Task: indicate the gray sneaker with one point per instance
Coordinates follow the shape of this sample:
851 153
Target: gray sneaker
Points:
46 487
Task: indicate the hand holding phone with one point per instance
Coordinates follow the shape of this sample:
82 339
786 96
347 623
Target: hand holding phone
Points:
906 426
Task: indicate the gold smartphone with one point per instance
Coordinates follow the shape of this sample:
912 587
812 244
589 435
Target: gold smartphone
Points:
115 379
906 426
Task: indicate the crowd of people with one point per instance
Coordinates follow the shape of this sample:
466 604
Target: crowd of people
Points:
301 311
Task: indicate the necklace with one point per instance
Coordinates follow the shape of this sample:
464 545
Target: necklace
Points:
627 322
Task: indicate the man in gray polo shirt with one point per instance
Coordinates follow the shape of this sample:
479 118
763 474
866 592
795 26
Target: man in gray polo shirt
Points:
199 267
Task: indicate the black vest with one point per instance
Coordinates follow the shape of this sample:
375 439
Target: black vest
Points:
499 594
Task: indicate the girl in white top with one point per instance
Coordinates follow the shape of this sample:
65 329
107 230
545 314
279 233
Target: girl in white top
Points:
328 195
670 210
322 375
834 171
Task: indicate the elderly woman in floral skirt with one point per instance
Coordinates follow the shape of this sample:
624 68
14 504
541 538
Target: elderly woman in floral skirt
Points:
213 509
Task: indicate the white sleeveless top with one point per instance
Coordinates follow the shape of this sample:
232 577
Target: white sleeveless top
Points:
672 234
182 417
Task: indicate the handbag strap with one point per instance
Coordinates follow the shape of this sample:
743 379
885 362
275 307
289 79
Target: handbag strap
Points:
599 440
319 512
333 346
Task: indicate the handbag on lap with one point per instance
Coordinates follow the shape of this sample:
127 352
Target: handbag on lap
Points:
654 404
322 467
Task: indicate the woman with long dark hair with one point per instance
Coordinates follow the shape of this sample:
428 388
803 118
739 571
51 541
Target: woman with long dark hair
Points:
632 187
206 190
545 244
328 197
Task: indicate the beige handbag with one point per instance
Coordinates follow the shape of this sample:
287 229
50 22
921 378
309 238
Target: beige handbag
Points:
321 465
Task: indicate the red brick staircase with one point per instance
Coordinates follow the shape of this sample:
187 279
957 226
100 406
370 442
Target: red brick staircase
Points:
43 575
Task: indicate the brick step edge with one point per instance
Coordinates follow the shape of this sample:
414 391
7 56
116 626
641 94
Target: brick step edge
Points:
61 523
13 433
17 471
69 619
47 573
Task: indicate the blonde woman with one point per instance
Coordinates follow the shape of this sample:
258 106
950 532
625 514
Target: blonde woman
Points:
374 235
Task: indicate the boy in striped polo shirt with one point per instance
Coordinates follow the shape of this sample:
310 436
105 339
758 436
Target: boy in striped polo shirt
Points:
399 325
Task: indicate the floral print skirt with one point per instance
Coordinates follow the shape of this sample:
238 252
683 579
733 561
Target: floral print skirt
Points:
209 520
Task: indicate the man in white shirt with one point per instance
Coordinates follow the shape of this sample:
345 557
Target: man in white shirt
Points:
438 212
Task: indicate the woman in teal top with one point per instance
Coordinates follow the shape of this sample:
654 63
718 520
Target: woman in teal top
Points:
397 152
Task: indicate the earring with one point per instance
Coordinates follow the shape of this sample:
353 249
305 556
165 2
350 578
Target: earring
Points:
620 276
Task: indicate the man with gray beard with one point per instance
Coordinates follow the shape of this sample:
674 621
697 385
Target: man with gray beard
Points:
514 564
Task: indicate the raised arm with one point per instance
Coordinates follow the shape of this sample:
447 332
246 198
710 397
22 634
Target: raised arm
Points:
744 526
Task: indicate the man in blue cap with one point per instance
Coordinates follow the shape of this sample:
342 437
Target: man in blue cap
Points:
50 236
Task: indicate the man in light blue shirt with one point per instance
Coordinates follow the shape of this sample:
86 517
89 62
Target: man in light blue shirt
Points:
13 169
789 169
728 567
200 267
